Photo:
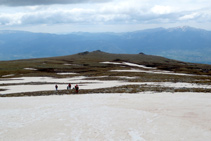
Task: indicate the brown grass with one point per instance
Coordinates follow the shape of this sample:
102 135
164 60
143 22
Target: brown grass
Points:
88 64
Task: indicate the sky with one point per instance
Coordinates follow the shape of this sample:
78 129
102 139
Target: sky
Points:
65 16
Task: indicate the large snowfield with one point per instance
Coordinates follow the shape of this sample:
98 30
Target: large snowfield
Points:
138 117
144 116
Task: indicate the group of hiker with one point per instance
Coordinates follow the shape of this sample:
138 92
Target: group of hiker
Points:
76 88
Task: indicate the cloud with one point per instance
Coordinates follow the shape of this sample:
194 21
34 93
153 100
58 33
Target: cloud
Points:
110 13
45 2
11 19
113 12
189 16
159 9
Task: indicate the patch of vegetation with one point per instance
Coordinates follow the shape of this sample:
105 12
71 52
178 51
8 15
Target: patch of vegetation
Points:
89 64
2 89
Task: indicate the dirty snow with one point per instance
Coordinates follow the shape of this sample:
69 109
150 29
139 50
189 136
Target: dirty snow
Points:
129 64
153 72
143 69
30 69
18 80
114 63
66 73
8 75
136 65
84 83
136 117
127 77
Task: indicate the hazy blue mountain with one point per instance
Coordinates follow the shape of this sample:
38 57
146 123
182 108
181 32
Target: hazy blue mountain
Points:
181 43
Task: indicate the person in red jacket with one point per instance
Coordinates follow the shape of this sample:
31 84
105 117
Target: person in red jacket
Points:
76 88
69 86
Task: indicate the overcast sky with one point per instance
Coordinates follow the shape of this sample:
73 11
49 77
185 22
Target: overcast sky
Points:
63 16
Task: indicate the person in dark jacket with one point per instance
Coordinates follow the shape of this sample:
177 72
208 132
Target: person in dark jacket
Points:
56 86
76 88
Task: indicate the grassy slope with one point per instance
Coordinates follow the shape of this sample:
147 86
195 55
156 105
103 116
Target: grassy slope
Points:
89 62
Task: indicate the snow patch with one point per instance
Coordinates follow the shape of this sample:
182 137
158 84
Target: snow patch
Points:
84 83
129 64
9 75
66 73
67 64
30 69
127 77
149 69
136 65
154 72
135 135
114 63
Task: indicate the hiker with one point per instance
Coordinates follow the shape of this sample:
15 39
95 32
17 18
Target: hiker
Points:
76 88
56 87
69 86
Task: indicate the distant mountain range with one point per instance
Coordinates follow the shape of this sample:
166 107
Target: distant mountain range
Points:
181 43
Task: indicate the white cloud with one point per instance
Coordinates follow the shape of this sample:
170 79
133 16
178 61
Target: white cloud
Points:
189 16
11 19
116 12
159 9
